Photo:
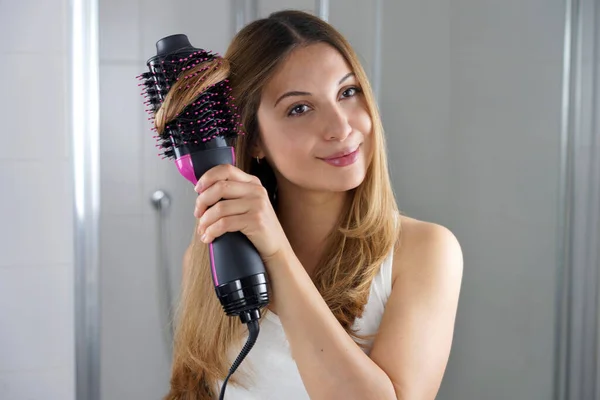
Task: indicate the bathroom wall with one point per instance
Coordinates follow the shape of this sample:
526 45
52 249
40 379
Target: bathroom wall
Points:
135 357
471 102
36 206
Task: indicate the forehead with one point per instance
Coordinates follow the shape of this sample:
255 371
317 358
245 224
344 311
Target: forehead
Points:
315 65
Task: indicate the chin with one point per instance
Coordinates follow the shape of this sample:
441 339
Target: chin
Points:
339 183
330 179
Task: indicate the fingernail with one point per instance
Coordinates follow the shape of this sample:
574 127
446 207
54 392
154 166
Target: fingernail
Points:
203 237
198 188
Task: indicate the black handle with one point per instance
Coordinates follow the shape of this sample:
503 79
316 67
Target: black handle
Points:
238 271
234 257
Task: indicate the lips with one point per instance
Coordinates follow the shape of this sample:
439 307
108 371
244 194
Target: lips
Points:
339 154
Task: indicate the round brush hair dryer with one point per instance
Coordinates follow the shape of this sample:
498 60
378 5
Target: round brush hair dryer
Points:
198 136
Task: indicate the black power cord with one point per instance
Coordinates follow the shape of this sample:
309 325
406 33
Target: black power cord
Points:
253 329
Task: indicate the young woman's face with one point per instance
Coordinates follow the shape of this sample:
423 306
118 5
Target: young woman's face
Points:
311 112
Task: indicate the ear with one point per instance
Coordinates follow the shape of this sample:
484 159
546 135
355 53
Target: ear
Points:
256 149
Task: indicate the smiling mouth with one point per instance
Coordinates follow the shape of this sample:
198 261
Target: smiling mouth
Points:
342 154
344 160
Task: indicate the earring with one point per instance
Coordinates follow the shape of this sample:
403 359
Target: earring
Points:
257 160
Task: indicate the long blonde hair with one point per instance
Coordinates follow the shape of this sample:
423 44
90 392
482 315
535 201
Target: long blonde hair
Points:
366 232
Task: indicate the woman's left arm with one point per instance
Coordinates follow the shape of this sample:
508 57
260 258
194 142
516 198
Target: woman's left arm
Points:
417 327
411 349
410 352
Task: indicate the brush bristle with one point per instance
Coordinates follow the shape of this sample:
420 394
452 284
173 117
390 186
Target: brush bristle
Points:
212 114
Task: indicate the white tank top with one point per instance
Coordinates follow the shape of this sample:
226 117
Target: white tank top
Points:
277 376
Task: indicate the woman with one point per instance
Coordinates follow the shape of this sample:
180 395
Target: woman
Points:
363 299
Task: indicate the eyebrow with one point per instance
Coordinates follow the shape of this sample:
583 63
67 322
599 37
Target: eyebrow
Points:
298 93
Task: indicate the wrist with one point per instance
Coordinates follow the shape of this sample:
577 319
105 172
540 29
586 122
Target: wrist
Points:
280 261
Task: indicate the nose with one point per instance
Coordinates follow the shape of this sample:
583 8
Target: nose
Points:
336 126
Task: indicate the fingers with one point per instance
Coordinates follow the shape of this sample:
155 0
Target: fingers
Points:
228 201
223 208
231 223
224 172
224 190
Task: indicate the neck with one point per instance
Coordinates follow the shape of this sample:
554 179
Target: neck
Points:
307 217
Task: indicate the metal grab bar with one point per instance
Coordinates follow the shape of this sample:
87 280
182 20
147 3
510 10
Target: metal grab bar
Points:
161 202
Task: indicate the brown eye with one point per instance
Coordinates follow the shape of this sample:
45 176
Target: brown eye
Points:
350 92
298 110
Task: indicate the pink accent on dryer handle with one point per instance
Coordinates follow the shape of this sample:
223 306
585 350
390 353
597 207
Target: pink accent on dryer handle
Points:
186 168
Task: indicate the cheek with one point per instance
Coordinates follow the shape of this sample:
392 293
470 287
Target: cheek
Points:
285 137
286 144
360 120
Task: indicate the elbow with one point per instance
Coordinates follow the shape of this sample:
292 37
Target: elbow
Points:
401 392
380 388
365 388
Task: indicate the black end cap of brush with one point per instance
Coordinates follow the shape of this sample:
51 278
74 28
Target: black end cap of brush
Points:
172 44
250 315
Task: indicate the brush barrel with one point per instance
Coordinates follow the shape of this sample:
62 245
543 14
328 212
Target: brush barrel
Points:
238 272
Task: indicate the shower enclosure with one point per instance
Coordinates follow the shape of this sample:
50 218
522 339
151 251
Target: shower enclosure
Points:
490 111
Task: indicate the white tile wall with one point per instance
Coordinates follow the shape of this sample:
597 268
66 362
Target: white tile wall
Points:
34 318
415 103
36 212
207 23
133 348
47 383
35 84
120 39
36 228
120 131
266 7
33 26
360 33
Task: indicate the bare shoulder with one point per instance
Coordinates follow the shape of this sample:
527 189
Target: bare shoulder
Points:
425 248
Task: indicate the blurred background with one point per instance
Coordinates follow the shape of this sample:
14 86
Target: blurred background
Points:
491 113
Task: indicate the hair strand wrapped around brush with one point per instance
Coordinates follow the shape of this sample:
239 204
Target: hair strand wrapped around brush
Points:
190 87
